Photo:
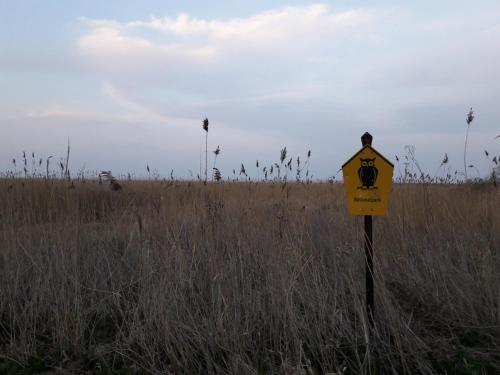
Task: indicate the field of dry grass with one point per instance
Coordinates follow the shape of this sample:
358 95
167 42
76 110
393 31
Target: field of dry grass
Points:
245 278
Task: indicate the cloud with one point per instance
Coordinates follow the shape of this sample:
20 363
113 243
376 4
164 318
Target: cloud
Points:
110 47
370 58
185 39
128 111
146 114
59 112
288 54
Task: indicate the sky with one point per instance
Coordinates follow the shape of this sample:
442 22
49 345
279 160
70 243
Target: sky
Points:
129 83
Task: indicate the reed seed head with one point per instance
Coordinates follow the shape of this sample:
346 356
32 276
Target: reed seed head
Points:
470 116
283 155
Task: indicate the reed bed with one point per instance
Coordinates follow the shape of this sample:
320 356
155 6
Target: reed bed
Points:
245 278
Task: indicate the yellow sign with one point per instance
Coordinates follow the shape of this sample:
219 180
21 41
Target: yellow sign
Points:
367 182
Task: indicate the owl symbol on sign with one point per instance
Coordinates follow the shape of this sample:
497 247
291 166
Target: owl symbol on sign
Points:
367 174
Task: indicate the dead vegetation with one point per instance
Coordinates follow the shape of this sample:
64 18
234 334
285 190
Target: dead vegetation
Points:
245 278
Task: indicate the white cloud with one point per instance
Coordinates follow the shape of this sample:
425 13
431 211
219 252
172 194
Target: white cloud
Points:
130 111
59 111
110 48
185 39
146 114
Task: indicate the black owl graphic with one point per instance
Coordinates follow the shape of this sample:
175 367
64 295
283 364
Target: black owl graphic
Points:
367 174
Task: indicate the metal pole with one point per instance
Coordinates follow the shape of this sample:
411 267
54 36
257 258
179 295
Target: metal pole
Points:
370 305
366 139
206 156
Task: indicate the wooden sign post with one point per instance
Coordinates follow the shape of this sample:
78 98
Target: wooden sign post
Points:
368 182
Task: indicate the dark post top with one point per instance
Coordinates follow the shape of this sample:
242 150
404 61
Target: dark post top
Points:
366 139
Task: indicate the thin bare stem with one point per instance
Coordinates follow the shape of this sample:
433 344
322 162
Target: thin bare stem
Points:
465 151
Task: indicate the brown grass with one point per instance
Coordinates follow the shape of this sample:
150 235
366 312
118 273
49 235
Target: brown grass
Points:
245 279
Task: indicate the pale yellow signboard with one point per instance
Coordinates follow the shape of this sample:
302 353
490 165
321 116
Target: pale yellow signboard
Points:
367 182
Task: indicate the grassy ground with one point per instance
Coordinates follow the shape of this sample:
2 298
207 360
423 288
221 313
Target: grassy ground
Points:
245 278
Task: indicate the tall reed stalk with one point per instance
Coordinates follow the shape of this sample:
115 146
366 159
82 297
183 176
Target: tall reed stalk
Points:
470 117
